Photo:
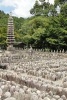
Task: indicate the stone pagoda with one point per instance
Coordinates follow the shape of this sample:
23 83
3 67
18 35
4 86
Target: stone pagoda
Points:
10 32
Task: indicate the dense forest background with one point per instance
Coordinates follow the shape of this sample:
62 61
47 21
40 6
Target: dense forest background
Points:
46 28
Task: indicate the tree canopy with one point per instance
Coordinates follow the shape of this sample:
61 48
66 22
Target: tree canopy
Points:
45 29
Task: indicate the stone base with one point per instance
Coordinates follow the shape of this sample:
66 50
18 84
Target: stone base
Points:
10 48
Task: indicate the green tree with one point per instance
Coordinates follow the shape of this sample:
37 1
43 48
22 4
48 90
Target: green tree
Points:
64 10
41 9
35 10
59 2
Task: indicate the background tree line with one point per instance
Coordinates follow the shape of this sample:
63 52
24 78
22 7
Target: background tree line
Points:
47 28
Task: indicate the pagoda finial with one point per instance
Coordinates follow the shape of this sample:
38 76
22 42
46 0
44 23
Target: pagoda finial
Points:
10 14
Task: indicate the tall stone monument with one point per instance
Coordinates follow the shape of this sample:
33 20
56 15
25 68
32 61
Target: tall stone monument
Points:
10 33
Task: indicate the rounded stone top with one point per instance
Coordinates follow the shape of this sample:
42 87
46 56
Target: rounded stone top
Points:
10 98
